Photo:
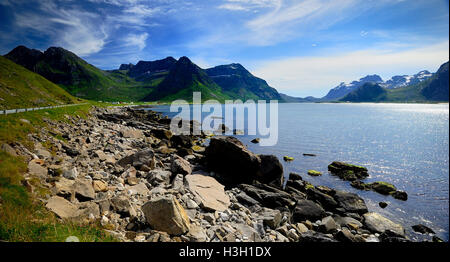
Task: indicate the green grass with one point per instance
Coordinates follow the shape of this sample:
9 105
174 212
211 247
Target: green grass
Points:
21 88
22 216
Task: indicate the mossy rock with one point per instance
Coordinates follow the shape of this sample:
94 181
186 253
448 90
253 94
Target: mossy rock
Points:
308 186
384 188
198 149
288 158
314 173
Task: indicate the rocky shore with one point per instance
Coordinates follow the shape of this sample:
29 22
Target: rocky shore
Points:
123 168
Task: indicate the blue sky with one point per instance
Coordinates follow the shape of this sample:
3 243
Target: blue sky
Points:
300 47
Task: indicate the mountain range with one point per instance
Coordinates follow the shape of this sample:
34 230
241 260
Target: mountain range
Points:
161 80
169 79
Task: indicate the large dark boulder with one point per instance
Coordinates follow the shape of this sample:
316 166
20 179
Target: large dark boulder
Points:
350 202
325 200
270 170
235 164
268 196
307 210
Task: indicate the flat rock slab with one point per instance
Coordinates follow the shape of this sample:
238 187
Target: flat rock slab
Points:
61 207
378 223
210 192
34 168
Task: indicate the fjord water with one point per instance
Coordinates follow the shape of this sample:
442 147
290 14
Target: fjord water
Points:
403 144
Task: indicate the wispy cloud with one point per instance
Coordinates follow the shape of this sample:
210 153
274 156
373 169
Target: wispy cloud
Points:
315 75
136 40
74 29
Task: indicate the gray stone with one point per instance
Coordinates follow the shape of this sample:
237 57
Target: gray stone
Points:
166 214
377 223
210 192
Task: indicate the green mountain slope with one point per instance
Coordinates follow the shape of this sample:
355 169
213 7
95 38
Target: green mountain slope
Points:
21 88
238 82
368 92
437 89
78 77
183 79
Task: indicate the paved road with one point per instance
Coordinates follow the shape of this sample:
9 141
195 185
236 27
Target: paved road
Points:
20 110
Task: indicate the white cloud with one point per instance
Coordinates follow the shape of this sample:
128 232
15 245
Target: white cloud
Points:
138 40
315 75
76 30
248 5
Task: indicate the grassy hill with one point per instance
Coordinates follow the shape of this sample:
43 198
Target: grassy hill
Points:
80 78
21 88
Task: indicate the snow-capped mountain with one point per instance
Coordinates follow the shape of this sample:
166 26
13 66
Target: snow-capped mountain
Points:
406 80
343 88
395 82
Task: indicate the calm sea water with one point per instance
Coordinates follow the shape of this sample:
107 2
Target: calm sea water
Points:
403 144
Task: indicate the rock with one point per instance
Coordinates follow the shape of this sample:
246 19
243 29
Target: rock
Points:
122 206
42 152
270 217
180 166
210 192
64 187
161 133
288 158
181 141
210 218
315 237
382 187
307 210
131 180
196 234
314 173
140 189
34 168
345 236
8 149
377 223
138 160
87 210
178 183
325 200
295 177
268 196
302 228
25 121
61 207
246 200
383 204
128 132
255 141
99 186
423 229
270 171
348 222
401 195
350 202
84 190
166 214
70 173
436 239
248 232
72 152
227 156
348 171
328 225
307 154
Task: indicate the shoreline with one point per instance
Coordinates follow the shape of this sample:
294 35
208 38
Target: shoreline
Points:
121 164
